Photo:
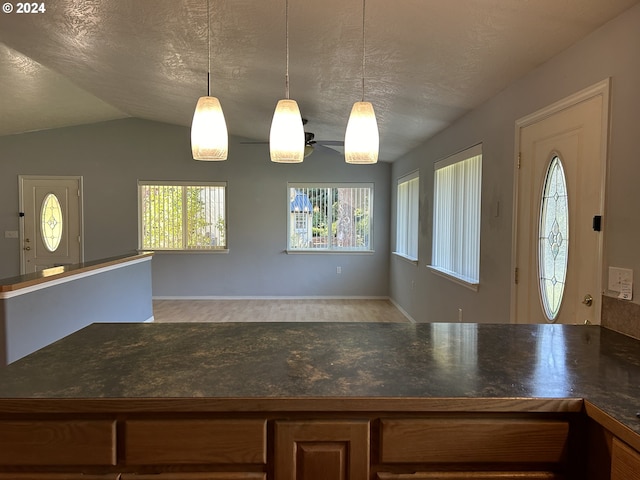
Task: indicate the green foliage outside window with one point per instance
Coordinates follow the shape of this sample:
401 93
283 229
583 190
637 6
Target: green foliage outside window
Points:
182 217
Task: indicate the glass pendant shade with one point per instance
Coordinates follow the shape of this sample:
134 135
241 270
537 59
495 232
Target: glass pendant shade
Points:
362 141
286 139
209 138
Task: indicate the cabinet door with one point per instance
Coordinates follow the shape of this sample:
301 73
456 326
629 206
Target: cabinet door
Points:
625 462
321 450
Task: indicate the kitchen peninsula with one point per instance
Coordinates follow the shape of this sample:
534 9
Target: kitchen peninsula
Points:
323 401
39 308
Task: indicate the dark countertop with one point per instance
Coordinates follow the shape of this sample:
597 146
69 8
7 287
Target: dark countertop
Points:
337 360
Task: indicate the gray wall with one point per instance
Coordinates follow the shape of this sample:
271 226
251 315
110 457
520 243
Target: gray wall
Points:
112 156
612 51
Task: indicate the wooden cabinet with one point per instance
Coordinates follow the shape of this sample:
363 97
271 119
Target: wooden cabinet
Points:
58 442
473 441
488 449
292 445
196 476
625 462
57 476
322 450
195 441
471 476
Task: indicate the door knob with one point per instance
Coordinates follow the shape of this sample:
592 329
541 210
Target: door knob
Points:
27 247
588 300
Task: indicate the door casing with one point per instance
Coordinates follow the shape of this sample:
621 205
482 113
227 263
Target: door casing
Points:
21 202
599 89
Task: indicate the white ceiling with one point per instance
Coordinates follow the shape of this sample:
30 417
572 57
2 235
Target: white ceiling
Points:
427 63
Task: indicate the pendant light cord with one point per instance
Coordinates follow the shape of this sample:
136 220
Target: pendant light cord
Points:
208 51
286 21
363 47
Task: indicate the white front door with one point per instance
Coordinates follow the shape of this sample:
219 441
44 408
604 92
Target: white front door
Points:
51 209
560 196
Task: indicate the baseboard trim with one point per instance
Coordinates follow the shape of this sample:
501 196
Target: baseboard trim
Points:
215 297
402 310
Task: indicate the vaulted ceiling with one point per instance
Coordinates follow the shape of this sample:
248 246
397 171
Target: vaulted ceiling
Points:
427 61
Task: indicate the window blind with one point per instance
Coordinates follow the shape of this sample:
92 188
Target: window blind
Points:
407 216
456 216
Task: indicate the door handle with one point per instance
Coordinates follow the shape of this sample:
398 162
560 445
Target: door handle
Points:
588 300
27 247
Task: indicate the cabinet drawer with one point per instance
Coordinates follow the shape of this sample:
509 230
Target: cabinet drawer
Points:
46 442
625 462
197 476
473 441
470 476
161 442
57 476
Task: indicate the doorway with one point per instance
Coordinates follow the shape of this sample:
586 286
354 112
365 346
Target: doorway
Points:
51 232
560 187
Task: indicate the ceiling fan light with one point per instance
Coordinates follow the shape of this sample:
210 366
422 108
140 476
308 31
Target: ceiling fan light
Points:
209 137
286 138
362 141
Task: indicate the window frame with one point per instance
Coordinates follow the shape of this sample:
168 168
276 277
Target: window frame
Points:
183 185
410 225
453 275
332 185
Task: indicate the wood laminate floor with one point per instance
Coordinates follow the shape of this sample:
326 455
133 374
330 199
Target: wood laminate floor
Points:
277 311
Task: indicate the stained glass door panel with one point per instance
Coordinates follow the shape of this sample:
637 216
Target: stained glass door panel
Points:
553 245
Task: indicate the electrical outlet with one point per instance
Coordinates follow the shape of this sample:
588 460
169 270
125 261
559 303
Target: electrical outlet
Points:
11 234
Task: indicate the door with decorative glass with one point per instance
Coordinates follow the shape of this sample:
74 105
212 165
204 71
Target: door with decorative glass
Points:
51 233
560 199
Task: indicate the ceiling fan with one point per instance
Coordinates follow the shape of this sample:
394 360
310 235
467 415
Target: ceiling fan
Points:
310 143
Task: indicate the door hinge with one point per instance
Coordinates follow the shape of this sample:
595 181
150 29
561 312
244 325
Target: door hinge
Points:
78 193
519 159
515 276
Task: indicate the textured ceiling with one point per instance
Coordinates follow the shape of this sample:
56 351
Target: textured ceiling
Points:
428 61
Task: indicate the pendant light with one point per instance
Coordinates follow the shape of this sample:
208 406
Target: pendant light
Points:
209 137
361 141
286 138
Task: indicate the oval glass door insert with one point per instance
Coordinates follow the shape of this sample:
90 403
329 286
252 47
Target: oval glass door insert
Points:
553 248
51 222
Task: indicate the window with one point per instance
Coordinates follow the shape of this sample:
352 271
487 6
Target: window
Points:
407 216
51 222
553 239
456 216
329 217
182 216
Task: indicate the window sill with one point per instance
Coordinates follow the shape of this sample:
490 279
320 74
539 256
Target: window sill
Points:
464 281
413 261
327 251
181 252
